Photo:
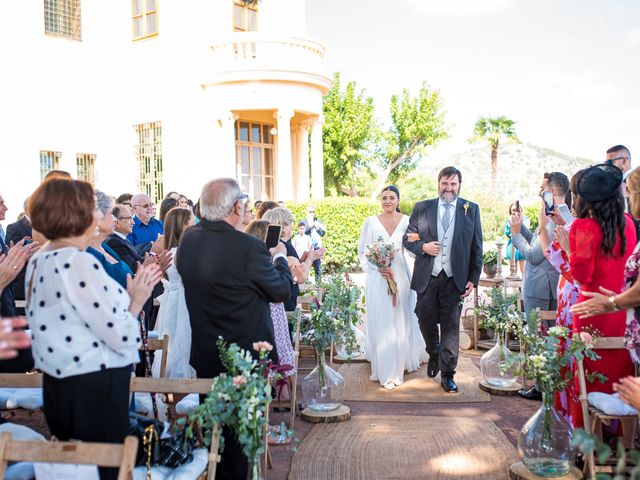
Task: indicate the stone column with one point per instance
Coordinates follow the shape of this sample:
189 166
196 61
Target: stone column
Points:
284 169
317 168
302 163
225 164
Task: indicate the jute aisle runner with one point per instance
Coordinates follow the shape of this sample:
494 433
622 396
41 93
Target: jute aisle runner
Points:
404 447
417 386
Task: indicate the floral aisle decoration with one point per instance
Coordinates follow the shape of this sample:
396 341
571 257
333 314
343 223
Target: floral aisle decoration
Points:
344 297
545 441
490 263
381 255
502 316
331 322
238 400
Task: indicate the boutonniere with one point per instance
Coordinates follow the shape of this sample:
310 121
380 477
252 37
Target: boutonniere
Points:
466 207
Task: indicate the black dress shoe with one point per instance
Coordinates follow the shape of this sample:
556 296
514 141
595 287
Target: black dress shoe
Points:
432 367
448 385
532 394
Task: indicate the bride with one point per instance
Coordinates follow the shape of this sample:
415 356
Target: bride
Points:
393 339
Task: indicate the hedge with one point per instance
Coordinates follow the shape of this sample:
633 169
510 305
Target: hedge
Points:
343 217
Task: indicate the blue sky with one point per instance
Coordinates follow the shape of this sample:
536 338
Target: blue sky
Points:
568 71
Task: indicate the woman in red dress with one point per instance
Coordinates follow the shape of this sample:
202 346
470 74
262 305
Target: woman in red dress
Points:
601 239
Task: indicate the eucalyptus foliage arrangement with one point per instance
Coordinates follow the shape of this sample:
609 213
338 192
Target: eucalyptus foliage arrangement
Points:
238 399
502 314
334 320
547 356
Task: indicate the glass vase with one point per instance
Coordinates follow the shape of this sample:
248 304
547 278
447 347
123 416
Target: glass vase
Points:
492 365
323 388
545 442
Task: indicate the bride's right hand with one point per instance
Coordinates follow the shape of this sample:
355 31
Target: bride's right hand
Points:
413 237
385 272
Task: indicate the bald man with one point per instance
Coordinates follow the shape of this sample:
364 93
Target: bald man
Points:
146 229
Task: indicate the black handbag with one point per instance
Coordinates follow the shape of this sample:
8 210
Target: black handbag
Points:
155 451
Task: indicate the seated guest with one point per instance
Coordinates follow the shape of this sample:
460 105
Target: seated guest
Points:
300 270
229 279
173 316
166 205
118 240
601 239
146 229
85 333
108 258
125 199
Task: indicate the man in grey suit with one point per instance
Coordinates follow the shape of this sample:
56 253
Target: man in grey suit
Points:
540 277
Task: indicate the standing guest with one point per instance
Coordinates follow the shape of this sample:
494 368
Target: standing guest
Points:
519 258
557 250
447 267
619 156
57 174
174 195
173 316
302 242
113 265
85 333
166 205
248 218
228 291
118 240
263 208
7 297
316 230
184 201
146 229
282 216
602 238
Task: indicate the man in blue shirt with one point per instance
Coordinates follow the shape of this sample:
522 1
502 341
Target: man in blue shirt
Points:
146 230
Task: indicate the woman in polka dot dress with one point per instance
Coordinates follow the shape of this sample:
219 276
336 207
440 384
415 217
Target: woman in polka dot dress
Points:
84 329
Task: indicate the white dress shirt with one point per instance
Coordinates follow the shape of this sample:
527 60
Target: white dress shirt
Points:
452 210
79 317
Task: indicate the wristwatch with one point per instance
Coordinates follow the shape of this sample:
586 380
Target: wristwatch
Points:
612 302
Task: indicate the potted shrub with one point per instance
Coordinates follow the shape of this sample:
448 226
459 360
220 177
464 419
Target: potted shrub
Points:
490 262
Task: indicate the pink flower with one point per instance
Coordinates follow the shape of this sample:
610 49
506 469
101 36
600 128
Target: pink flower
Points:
238 380
587 339
262 346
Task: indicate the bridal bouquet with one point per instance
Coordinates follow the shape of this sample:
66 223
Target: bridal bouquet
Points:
381 255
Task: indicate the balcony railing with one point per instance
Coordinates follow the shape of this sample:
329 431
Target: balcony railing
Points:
253 56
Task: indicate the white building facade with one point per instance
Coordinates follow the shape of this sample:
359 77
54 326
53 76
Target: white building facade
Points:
161 95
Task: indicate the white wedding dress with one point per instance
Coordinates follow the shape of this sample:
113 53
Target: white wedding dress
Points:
394 342
173 320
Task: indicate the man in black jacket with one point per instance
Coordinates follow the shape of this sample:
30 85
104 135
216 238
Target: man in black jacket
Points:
445 234
229 280
15 232
118 239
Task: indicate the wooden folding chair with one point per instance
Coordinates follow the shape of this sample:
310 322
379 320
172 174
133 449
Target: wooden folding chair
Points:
21 380
121 456
594 418
161 344
180 388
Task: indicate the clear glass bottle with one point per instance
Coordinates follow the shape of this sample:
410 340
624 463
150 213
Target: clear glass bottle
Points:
492 365
545 442
323 388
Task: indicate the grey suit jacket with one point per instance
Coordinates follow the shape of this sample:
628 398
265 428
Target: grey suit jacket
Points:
540 277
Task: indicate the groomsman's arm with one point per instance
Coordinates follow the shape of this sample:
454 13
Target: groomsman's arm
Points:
533 253
413 247
476 250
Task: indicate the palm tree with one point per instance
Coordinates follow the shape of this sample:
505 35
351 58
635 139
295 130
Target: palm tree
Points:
494 131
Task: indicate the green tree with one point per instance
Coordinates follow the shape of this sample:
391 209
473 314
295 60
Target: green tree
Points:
494 131
349 130
416 123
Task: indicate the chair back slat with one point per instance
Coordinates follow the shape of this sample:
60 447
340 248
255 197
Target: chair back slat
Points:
20 380
162 344
609 343
171 385
122 456
547 315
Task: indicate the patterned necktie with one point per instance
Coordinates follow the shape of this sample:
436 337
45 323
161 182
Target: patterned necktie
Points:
446 218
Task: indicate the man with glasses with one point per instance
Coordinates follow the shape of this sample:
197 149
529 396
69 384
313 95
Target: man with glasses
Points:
619 156
316 230
118 240
146 229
